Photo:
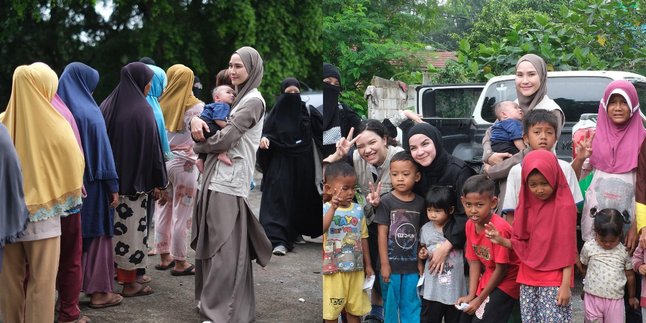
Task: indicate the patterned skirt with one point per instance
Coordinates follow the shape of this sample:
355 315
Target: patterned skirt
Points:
130 232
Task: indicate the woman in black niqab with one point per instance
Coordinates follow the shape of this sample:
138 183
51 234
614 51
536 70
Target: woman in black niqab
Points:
291 204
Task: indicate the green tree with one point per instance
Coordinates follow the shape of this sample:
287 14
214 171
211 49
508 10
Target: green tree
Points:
366 38
199 34
597 35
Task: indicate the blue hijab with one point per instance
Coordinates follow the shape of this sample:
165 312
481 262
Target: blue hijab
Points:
157 88
13 210
75 88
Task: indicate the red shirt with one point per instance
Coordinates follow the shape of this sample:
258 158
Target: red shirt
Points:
479 248
532 277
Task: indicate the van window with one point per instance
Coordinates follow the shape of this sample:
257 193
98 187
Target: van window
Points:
575 95
641 93
450 102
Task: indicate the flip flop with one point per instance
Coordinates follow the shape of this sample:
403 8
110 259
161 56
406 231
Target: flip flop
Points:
186 272
116 302
370 318
166 267
145 279
145 290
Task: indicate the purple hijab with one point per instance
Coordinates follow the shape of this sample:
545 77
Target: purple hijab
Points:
133 135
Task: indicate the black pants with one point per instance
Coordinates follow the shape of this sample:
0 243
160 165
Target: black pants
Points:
373 245
434 312
632 315
497 310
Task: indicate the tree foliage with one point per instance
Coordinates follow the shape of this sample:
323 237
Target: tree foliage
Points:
366 38
582 35
199 34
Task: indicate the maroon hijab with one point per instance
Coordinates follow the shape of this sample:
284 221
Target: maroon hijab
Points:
544 232
132 130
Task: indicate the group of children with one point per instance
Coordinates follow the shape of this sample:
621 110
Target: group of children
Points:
525 259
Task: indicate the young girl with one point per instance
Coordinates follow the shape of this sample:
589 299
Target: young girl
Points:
608 267
639 265
440 291
544 238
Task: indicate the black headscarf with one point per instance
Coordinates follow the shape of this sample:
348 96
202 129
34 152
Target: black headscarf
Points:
290 81
288 124
444 170
330 70
437 166
132 130
331 95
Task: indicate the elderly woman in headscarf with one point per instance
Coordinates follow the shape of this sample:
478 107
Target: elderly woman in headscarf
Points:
100 179
287 148
52 166
138 158
226 235
178 105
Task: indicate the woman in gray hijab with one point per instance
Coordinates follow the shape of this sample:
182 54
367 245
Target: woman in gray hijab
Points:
226 235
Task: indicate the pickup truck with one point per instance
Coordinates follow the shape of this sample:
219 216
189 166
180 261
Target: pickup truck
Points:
462 128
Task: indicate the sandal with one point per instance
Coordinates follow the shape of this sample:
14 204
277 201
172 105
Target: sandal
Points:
186 272
115 302
81 319
165 267
370 318
145 290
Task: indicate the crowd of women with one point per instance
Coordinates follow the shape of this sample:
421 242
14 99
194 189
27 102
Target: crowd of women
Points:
78 200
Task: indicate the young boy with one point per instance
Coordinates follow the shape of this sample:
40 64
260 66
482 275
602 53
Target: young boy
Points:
492 294
540 133
345 247
215 115
398 219
507 131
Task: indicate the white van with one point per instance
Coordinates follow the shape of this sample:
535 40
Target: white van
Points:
576 92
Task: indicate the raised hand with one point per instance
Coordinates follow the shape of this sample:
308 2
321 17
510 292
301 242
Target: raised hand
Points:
374 197
344 144
584 147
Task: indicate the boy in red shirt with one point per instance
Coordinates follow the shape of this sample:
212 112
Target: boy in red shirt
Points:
494 293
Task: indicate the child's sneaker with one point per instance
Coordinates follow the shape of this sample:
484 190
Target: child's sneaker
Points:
280 250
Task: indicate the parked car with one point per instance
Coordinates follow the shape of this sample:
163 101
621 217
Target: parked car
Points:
576 92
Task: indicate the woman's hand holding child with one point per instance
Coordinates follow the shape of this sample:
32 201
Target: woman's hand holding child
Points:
438 258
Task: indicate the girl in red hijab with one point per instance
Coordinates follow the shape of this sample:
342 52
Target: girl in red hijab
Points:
544 238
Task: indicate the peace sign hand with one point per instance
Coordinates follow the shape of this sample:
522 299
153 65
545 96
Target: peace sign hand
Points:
336 199
344 144
374 197
584 147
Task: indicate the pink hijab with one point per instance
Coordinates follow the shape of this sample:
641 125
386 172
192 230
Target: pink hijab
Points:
615 147
62 108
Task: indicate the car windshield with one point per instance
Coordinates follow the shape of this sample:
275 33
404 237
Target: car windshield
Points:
576 95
